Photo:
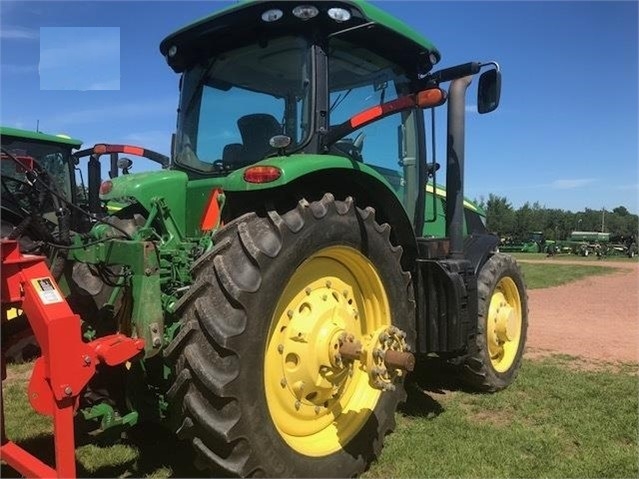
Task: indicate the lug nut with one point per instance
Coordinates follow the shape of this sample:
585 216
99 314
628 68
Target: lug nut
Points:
283 382
317 409
280 348
68 391
87 359
328 284
289 313
298 405
307 291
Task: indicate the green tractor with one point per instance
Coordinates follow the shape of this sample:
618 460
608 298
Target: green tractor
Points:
290 265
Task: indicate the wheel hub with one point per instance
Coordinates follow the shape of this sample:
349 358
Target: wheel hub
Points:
506 324
313 373
322 380
312 369
503 329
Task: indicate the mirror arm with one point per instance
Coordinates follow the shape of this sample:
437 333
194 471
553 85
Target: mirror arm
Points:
453 73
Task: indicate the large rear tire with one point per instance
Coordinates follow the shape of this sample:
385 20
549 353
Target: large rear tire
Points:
258 388
502 326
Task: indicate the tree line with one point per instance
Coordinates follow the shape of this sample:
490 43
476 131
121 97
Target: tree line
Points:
503 219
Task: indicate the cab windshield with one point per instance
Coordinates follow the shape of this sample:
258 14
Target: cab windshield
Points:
233 104
51 157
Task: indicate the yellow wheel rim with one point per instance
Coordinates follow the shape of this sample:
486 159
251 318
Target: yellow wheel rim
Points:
317 402
503 327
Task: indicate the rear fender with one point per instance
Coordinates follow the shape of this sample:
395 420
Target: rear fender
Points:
309 177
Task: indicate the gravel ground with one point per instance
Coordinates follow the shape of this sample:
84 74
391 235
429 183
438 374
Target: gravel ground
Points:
596 318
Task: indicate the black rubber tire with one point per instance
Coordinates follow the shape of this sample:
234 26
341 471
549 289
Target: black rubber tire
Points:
477 370
217 399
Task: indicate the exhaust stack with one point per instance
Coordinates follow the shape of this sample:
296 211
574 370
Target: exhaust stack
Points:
455 165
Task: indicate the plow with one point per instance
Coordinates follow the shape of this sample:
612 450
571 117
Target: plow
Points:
268 292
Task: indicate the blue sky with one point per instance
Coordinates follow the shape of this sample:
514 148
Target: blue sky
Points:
64 66
565 135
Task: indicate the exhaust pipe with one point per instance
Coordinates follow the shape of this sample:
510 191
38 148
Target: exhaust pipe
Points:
455 166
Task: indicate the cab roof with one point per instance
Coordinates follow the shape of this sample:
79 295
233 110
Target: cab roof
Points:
233 20
35 135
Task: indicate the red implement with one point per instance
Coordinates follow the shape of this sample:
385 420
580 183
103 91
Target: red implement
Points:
67 363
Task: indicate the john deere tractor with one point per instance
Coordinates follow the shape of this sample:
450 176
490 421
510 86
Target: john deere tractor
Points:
296 258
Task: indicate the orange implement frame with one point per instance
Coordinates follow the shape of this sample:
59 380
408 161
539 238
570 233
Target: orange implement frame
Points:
66 365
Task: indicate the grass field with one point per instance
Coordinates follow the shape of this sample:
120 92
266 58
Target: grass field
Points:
545 275
557 420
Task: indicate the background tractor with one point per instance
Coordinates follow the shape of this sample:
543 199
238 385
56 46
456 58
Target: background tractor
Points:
43 203
268 293
41 193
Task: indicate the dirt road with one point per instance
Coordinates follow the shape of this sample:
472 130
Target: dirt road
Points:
595 318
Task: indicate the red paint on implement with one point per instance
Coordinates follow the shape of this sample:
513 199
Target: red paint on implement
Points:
67 362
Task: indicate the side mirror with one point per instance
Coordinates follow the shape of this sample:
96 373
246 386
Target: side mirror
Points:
125 165
489 91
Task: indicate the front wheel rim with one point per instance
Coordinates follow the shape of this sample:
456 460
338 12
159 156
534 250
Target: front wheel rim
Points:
317 402
504 325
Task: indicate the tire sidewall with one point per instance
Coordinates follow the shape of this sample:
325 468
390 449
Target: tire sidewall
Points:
496 268
277 457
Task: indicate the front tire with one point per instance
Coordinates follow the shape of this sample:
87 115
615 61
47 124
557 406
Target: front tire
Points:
502 326
258 389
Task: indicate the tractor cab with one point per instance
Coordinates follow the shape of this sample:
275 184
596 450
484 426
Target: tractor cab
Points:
271 80
48 155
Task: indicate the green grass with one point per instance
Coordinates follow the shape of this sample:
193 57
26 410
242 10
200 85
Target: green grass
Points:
555 421
545 275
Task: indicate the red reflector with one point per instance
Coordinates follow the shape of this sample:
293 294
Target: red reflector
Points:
365 116
432 97
211 216
399 104
262 174
106 187
99 149
133 150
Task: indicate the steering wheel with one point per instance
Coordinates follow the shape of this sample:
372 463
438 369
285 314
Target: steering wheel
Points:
21 190
351 148
358 143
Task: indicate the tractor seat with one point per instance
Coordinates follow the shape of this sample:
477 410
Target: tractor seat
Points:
233 156
256 130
